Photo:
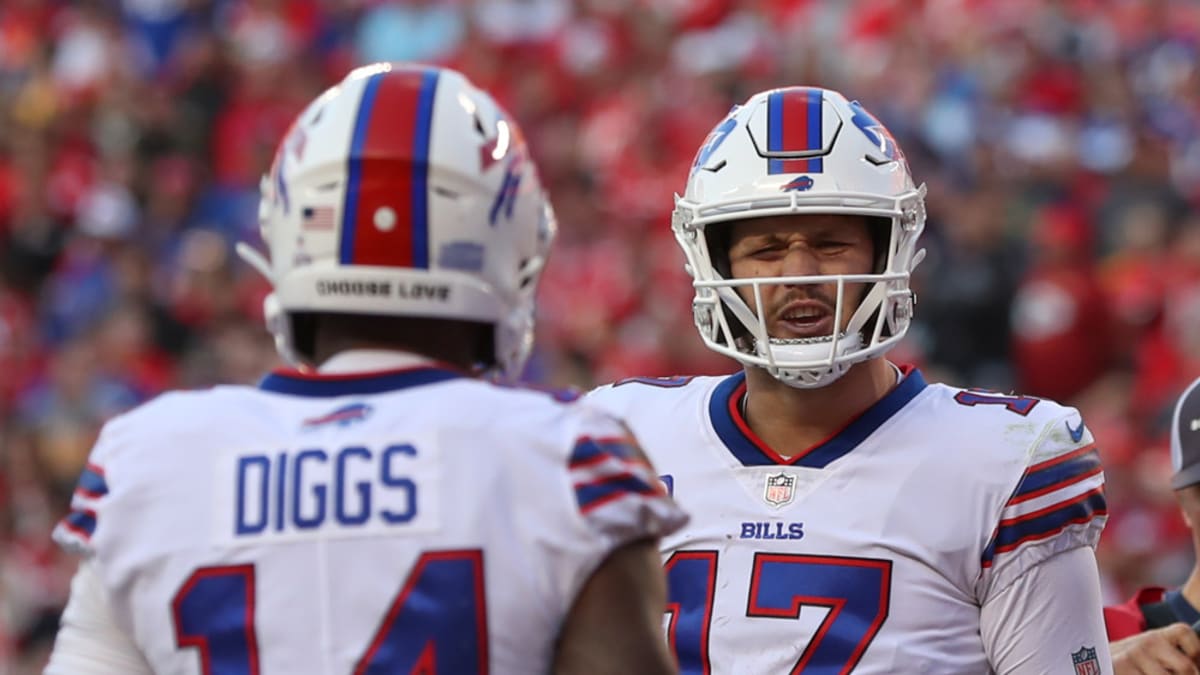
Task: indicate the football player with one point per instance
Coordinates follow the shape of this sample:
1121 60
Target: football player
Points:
848 515
382 509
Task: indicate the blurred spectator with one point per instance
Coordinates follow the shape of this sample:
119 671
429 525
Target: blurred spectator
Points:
18 350
966 290
1061 329
424 31
503 23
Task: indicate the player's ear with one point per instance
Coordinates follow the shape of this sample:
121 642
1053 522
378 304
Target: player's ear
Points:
1188 499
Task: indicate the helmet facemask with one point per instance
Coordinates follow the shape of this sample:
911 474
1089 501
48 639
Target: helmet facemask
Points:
730 326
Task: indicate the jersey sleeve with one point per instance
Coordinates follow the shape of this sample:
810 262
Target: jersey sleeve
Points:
1057 505
605 495
616 490
1049 620
89 641
77 530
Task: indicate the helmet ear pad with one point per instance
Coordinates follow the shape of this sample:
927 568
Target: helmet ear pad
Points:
303 328
718 237
880 230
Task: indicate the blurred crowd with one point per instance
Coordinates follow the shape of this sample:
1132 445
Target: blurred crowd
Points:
1059 140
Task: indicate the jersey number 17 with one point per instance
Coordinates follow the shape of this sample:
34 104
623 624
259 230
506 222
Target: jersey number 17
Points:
856 591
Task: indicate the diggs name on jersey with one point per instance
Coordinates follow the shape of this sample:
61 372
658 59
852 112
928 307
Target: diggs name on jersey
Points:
356 489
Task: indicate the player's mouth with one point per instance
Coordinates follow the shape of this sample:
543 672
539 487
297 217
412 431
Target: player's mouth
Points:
804 319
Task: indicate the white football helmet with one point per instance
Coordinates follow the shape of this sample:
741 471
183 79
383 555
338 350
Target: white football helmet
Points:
799 150
406 191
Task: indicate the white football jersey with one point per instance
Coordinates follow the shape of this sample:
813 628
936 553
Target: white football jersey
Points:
369 523
875 550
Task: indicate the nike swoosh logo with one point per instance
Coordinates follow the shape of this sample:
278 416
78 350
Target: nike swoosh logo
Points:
1077 433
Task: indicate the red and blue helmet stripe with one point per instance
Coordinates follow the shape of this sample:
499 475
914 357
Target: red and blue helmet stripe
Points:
795 124
389 166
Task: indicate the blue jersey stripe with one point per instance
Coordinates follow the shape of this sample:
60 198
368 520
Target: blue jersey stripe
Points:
371 383
92 483
597 493
590 450
1045 523
420 171
722 409
1071 469
81 522
354 168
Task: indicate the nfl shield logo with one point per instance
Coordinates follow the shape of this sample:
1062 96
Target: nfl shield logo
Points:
1085 661
780 489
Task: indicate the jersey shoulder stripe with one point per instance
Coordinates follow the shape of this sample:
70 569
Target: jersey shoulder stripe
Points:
75 530
1046 522
591 450
80 523
616 489
604 490
1060 492
606 469
1057 473
91 482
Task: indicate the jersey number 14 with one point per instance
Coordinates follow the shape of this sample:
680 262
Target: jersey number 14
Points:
214 613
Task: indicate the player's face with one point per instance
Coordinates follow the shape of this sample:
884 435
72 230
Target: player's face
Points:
801 245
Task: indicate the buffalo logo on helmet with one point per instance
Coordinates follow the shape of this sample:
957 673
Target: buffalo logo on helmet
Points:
798 184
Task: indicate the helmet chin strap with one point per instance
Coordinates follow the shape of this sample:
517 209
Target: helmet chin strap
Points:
809 349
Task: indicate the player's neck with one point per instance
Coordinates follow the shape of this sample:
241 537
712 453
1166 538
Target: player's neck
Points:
791 420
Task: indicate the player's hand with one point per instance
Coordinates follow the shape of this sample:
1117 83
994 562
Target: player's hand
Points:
1170 650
